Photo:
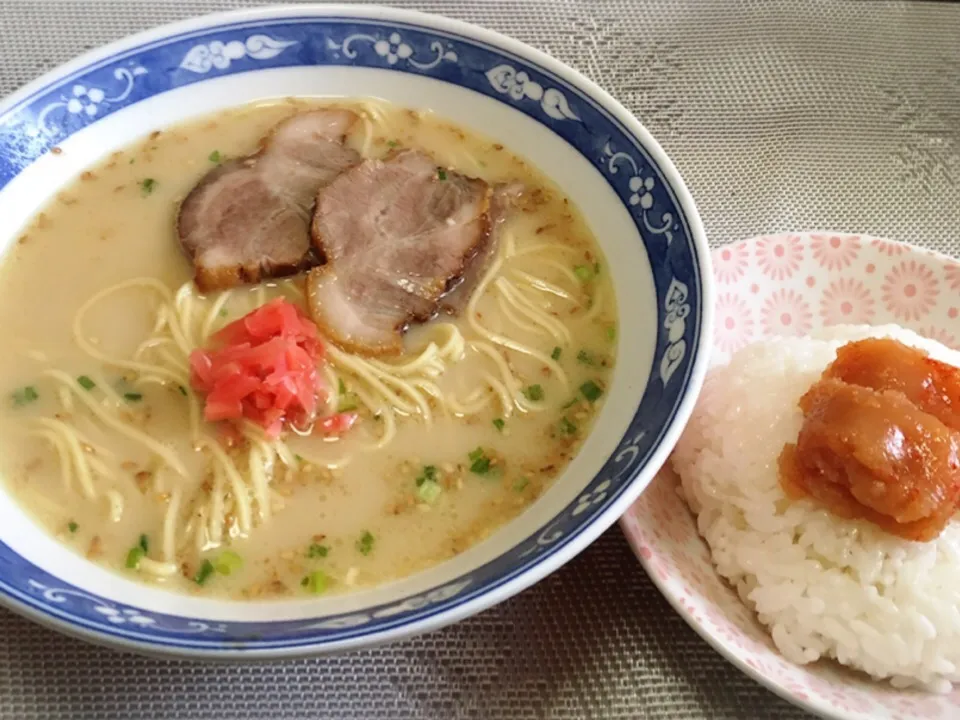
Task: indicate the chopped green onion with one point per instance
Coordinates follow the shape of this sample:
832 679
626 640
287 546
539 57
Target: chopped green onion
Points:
567 427
25 395
498 423
347 402
299 458
72 526
533 392
214 157
204 573
596 268
316 582
591 391
429 491
144 543
227 562
571 403
392 143
86 383
428 474
611 333
556 353
316 550
481 466
365 543
223 312
133 397
183 390
520 484
586 358
441 174
583 272
134 557
147 186
479 462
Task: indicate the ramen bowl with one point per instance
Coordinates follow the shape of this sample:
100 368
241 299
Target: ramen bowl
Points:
602 158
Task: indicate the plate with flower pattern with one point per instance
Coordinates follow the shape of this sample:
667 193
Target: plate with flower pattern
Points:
790 285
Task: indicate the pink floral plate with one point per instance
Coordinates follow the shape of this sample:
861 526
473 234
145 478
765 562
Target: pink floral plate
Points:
789 285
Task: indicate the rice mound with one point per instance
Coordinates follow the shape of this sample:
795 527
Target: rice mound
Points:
822 585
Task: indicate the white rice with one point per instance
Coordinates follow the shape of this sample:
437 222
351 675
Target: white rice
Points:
822 585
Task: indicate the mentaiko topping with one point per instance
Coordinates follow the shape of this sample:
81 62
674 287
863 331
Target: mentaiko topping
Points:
878 440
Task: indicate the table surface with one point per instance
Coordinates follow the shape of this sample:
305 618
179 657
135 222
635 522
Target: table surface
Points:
781 116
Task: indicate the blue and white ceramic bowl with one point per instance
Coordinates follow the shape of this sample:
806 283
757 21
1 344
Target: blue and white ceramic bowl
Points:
625 185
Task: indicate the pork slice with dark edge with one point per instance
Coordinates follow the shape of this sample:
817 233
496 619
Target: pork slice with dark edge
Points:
397 234
248 220
503 201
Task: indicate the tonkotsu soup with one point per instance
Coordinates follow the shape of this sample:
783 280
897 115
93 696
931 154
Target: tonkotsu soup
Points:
405 457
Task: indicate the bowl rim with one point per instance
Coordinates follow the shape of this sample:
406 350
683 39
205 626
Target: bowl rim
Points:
583 536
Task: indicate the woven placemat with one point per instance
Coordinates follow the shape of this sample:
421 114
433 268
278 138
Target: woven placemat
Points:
781 116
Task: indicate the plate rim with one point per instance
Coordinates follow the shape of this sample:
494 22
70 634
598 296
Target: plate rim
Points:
813 704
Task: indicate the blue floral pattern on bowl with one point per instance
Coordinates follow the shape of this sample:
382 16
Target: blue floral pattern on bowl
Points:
37 124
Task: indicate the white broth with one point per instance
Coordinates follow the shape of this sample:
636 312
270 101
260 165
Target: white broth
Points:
454 438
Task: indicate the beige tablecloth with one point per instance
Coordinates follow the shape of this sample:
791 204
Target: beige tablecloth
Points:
781 116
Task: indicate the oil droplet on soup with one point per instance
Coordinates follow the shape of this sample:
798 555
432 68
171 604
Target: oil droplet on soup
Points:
101 433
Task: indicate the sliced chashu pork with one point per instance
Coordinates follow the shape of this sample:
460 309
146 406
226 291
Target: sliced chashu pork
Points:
249 219
503 200
396 235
